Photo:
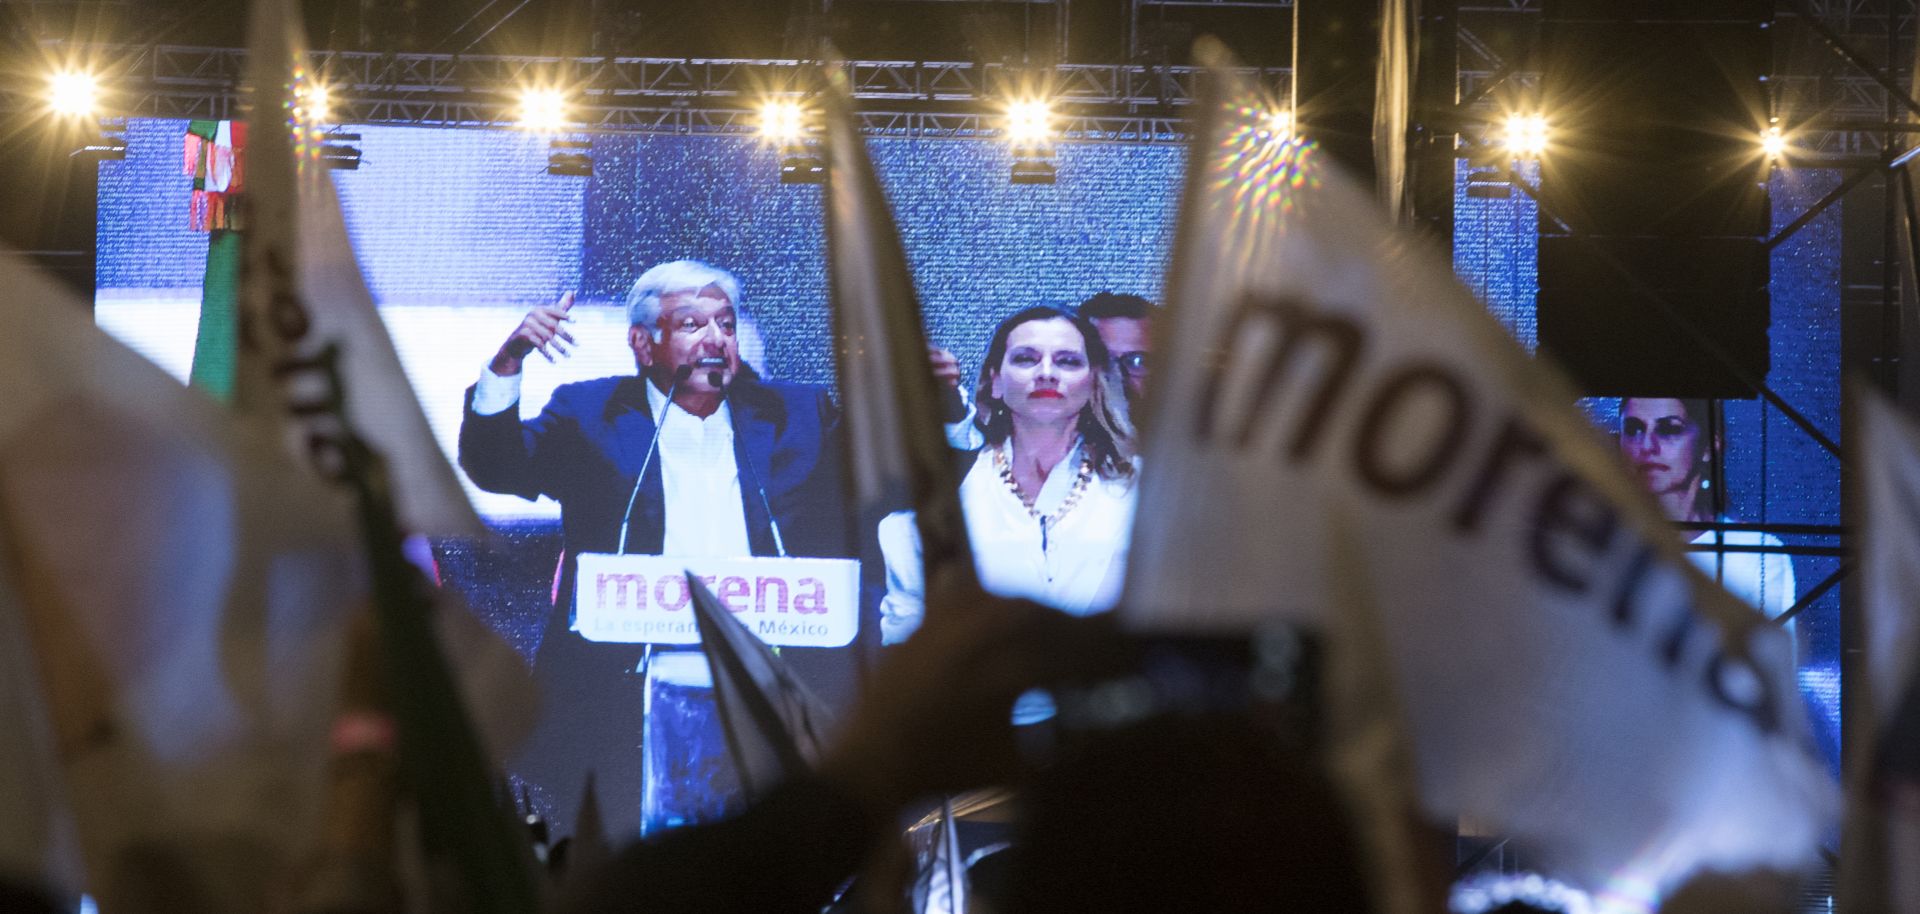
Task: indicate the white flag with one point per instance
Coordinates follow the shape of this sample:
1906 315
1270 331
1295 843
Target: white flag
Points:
1880 852
898 454
301 290
181 591
1564 673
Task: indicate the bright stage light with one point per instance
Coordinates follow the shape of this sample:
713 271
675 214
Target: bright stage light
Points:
1029 122
1773 143
781 121
1526 135
1279 124
312 102
71 93
317 103
543 110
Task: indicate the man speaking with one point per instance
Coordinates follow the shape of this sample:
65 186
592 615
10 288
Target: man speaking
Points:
696 456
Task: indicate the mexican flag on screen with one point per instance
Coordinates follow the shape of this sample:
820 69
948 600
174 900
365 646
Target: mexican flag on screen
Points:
214 155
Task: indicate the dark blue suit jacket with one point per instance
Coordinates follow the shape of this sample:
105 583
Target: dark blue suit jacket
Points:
585 447
584 450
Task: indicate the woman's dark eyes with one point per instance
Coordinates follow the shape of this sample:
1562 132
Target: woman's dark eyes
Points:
1031 358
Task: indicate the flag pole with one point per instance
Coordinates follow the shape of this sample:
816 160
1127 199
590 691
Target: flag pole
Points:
440 752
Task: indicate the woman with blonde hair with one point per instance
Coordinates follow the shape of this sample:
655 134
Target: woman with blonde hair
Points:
1049 499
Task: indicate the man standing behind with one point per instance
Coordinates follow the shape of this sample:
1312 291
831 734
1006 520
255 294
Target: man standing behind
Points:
726 437
1125 323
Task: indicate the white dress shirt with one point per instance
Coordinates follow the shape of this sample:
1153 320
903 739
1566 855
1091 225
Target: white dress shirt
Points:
704 512
1075 565
964 435
1764 580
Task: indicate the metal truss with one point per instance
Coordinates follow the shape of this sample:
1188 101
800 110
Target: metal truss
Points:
1095 103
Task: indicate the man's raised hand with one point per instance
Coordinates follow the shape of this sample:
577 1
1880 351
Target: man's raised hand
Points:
540 330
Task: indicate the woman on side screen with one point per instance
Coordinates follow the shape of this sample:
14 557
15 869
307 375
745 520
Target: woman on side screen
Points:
1049 499
1671 444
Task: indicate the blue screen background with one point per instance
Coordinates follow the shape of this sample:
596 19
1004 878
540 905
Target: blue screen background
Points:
459 231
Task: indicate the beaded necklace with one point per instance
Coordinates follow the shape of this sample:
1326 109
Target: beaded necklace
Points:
1081 480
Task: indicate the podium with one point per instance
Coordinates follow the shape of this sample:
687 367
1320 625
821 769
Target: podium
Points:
788 602
687 775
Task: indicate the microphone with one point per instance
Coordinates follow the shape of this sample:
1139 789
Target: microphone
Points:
779 544
653 447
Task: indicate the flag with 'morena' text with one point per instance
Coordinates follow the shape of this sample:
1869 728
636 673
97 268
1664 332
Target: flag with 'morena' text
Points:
896 446
1337 416
174 595
302 296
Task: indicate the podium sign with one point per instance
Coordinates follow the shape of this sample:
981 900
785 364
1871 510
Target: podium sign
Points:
643 599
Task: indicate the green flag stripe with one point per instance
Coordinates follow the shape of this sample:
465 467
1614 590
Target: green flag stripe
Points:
214 346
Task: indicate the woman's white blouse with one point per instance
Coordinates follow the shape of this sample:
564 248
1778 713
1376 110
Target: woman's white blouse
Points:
1075 565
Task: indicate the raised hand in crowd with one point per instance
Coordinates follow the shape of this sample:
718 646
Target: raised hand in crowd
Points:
540 331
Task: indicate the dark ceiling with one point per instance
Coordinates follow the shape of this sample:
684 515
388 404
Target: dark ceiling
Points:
1096 31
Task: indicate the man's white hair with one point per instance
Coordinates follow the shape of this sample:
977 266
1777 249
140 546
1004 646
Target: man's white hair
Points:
643 302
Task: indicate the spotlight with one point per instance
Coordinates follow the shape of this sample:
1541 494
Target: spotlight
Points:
1489 184
1773 143
71 93
800 165
336 151
316 103
542 110
781 121
1029 122
1032 170
109 144
1279 125
570 158
1526 135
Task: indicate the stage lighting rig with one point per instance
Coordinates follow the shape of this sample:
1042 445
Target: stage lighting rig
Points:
1032 170
338 153
1029 123
73 93
316 103
1773 143
1526 135
570 158
800 164
542 110
108 144
1030 133
782 121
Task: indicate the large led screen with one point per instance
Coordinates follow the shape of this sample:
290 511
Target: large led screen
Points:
462 232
